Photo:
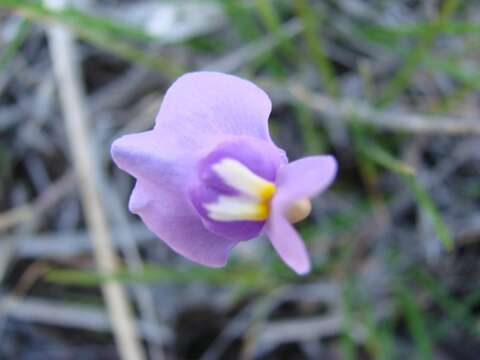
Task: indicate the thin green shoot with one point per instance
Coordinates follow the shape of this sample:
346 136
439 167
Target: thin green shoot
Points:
315 45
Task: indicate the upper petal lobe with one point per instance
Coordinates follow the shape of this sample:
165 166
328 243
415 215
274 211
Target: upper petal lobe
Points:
202 105
306 177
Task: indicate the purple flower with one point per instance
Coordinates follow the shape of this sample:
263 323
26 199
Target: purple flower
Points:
208 174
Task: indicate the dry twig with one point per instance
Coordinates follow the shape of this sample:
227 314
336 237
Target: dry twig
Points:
62 49
72 316
350 110
45 201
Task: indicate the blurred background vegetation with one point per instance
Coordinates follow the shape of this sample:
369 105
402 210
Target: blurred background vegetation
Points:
390 87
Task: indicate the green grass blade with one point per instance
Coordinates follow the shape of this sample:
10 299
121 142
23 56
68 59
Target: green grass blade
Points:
416 55
314 142
242 18
385 159
416 323
453 67
347 344
457 311
236 275
426 203
390 35
74 17
99 37
13 46
379 335
131 53
315 45
270 18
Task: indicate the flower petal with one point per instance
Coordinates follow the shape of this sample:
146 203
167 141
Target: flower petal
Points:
147 155
160 197
287 243
233 230
172 218
259 157
299 179
202 105
306 177
263 158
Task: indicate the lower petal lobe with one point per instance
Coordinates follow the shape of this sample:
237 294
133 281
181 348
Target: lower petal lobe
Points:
297 180
173 219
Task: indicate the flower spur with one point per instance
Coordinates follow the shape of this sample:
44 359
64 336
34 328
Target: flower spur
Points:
208 174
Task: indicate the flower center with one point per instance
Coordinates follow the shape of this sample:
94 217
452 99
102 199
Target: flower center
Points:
252 201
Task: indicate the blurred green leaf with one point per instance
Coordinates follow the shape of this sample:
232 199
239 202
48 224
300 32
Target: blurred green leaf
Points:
14 45
453 67
385 159
105 34
132 53
457 311
379 334
242 17
312 138
270 18
415 320
416 55
347 344
426 203
235 275
367 169
389 35
310 20
76 18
